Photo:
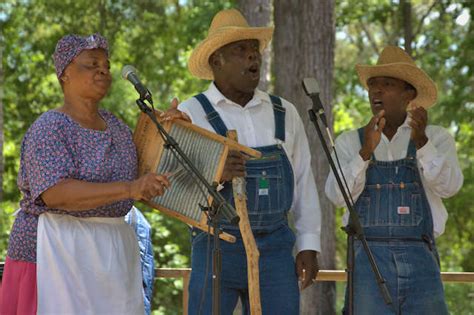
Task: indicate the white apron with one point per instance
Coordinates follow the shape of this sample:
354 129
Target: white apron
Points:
88 266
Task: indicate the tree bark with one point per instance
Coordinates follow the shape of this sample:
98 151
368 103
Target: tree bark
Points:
304 47
1 119
259 13
102 24
406 16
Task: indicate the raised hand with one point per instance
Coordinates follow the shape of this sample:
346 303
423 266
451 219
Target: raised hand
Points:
372 135
173 113
418 122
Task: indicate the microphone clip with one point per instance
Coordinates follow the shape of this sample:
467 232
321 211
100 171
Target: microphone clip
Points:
311 88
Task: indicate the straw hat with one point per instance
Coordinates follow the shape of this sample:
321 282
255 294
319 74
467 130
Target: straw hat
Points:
394 62
227 26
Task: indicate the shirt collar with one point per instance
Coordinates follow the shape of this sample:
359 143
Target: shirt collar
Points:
402 126
216 97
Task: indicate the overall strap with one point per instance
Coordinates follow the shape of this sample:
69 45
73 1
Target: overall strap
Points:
212 116
279 115
411 152
360 131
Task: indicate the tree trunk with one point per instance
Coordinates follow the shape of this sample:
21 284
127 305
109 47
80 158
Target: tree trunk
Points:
101 7
259 13
304 47
406 17
1 119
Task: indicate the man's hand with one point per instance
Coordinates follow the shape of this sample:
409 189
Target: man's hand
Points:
307 267
418 122
173 113
372 135
234 166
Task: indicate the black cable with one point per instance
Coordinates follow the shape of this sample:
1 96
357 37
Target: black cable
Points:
208 253
354 228
180 157
349 192
208 246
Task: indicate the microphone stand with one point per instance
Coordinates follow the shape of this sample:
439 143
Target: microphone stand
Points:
353 229
216 263
219 204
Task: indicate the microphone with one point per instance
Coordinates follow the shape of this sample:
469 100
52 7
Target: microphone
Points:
311 88
130 73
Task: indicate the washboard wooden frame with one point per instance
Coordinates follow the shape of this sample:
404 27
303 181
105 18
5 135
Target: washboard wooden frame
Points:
151 152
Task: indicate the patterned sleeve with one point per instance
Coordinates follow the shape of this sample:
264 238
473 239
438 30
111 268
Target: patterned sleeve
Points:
45 156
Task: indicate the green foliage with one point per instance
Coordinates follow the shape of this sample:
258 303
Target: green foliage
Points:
459 298
154 36
172 250
157 38
442 46
6 221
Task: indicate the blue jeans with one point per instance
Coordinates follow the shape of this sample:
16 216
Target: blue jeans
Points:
279 291
412 276
396 215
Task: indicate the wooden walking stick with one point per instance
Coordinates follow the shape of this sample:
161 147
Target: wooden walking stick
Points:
240 198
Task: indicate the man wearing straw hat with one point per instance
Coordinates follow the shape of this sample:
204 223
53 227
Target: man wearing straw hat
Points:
281 180
398 168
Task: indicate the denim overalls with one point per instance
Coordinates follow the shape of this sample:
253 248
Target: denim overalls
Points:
270 186
398 224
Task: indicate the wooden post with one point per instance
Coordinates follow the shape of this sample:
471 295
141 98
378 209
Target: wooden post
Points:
185 292
240 199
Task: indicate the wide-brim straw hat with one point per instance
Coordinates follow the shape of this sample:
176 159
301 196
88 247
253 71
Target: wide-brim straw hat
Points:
227 26
394 62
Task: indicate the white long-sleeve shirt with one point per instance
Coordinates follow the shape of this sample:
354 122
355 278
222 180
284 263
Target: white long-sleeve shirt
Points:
255 128
437 162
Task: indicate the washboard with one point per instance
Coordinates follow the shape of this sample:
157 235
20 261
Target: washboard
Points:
206 149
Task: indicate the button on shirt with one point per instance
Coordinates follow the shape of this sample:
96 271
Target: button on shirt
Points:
437 163
255 128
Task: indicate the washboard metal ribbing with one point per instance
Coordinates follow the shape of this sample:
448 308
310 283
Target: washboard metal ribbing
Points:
207 150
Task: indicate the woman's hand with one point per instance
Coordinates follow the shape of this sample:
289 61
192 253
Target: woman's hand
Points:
173 113
148 186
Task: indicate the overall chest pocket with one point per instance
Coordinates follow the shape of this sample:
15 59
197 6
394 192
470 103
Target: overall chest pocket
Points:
411 200
264 187
393 205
